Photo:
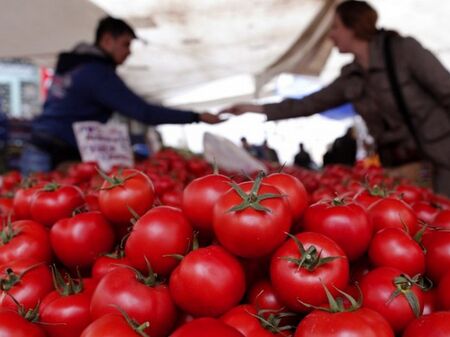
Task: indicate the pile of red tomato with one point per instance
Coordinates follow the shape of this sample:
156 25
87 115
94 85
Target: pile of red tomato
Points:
171 248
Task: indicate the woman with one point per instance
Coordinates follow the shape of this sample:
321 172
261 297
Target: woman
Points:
422 132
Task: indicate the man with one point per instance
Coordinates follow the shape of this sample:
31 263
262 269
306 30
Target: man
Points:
86 87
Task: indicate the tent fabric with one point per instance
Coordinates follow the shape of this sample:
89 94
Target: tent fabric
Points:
192 43
189 43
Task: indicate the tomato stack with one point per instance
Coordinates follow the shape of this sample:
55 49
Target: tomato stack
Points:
171 248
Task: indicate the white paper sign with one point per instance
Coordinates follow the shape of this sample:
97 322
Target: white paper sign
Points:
229 156
107 144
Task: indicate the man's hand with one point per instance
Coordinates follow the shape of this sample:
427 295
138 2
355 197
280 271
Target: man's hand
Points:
210 118
240 109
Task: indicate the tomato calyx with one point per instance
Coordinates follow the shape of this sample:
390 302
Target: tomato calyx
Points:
11 278
8 232
337 201
336 305
67 287
273 321
138 328
50 187
309 258
404 285
114 180
252 199
151 280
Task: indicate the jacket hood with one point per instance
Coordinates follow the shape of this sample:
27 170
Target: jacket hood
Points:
81 54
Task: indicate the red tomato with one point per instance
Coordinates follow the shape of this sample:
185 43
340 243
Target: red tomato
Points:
54 202
199 198
24 239
22 201
430 301
77 241
390 212
345 223
207 282
66 311
262 296
14 325
158 233
393 247
205 327
442 220
112 325
10 180
105 263
438 254
444 291
244 319
379 288
172 198
256 228
27 281
6 209
425 211
298 271
436 324
293 189
130 189
140 297
362 323
409 193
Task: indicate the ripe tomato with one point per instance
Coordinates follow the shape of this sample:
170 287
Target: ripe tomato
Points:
24 239
252 219
425 211
27 280
393 247
438 254
301 266
54 202
140 297
113 325
244 318
444 291
77 241
397 299
345 223
262 296
390 212
13 324
207 282
436 324
442 220
294 190
66 311
122 191
22 201
363 322
105 263
205 327
162 231
199 198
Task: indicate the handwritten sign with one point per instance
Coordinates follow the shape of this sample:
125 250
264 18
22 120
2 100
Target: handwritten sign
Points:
107 144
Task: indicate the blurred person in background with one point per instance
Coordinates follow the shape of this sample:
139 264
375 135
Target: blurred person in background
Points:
399 88
343 150
303 158
86 88
269 153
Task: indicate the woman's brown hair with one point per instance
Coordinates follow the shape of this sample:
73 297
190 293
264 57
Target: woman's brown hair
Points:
358 16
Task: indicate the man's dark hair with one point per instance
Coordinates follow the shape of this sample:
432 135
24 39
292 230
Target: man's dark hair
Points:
113 26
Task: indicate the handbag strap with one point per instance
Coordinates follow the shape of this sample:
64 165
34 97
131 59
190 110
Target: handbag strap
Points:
396 89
